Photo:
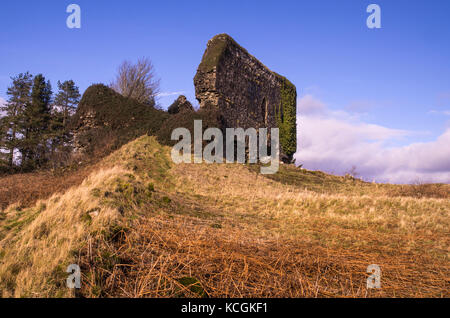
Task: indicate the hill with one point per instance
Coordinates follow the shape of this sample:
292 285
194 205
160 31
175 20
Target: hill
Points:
140 226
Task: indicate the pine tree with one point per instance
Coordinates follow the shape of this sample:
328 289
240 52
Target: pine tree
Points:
36 124
19 98
66 101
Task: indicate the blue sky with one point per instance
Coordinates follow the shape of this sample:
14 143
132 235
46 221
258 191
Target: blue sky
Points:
396 77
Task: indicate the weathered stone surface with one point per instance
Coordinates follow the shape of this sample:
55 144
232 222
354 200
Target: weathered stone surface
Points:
180 105
245 92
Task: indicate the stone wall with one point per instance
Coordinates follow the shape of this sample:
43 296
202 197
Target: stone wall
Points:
180 105
245 92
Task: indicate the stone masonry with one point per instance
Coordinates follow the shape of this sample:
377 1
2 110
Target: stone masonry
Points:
244 91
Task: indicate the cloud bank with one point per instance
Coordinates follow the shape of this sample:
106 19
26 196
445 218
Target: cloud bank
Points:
338 141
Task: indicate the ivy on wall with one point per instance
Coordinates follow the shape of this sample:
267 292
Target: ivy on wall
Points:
287 119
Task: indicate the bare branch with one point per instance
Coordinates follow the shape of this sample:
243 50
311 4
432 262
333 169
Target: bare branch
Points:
137 81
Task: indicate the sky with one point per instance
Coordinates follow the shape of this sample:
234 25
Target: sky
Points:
372 101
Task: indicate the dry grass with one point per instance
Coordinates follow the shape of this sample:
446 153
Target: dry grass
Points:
422 190
229 262
320 182
37 242
27 188
225 231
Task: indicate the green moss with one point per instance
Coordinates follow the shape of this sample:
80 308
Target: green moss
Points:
217 47
151 187
58 278
287 118
96 192
166 200
22 219
86 217
194 286
214 52
115 233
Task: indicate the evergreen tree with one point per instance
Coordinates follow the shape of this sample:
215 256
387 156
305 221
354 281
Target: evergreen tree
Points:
67 99
36 124
19 99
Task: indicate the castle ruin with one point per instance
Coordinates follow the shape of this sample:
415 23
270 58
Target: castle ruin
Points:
234 89
245 92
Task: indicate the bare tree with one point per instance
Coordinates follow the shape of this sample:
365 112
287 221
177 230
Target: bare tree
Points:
137 81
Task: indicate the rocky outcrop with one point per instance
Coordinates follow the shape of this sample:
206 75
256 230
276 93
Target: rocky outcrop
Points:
245 92
181 105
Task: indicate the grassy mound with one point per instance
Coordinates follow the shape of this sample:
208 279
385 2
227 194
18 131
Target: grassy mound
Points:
114 120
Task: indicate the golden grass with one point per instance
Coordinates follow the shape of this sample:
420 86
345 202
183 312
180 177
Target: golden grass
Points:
192 230
230 262
37 245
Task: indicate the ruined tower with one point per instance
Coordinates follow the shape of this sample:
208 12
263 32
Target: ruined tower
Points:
245 92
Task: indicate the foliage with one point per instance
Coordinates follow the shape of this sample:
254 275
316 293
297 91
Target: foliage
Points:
60 136
34 131
287 119
19 98
67 100
35 124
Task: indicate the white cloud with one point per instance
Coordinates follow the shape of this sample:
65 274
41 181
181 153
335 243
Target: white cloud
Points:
308 105
440 112
336 141
166 94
